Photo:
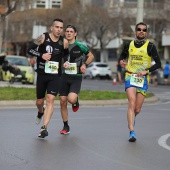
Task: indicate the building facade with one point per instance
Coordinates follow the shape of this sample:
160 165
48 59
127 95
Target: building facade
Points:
34 17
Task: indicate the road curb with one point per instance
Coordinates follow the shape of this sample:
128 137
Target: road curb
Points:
20 103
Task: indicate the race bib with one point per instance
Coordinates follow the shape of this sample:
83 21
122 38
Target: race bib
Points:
51 67
136 81
72 69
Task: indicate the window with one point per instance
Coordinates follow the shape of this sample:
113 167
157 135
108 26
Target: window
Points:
145 0
48 4
56 3
153 1
22 6
40 4
130 0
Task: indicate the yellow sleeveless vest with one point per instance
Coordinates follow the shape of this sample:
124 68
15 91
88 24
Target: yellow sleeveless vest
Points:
138 59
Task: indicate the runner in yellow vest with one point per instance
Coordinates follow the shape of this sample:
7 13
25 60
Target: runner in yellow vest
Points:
136 59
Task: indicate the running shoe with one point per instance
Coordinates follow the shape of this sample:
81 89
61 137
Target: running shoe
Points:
132 136
43 132
65 130
75 106
39 116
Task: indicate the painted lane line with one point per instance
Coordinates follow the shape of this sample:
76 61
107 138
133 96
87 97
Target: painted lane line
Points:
162 141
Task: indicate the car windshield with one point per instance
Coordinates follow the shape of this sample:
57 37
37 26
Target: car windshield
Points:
101 65
18 61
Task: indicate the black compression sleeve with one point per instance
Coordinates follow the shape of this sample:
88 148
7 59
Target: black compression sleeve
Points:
154 54
32 50
66 55
124 53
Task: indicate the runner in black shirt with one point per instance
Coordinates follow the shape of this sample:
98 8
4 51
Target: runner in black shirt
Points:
49 48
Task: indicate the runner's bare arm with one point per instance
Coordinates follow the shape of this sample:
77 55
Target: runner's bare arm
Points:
39 40
90 58
32 50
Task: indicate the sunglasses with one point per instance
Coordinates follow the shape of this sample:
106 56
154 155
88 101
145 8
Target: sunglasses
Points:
140 29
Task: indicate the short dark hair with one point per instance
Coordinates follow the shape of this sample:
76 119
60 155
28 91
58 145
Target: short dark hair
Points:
57 19
140 23
71 26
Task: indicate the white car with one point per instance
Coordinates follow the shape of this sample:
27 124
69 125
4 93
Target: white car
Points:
98 70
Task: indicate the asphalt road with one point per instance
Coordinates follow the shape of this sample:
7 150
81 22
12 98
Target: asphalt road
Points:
98 138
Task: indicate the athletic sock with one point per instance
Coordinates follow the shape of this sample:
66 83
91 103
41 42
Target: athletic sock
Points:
66 123
44 127
40 115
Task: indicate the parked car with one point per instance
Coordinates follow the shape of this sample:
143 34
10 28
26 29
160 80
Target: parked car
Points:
98 70
1 62
23 64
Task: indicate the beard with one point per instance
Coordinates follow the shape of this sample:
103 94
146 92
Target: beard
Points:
140 38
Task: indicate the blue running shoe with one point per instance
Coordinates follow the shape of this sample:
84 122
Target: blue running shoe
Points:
132 136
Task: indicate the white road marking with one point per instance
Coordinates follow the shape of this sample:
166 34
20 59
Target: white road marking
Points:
162 141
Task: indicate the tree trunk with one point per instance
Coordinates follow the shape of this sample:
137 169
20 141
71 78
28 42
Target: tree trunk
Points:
1 31
103 55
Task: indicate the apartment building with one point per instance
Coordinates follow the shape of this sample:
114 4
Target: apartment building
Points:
30 19
155 14
34 17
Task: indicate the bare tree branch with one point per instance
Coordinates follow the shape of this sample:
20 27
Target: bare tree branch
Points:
10 9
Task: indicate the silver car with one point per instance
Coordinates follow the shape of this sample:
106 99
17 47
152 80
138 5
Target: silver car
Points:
98 70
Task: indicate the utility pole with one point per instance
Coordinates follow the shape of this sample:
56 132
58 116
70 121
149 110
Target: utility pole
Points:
6 34
139 17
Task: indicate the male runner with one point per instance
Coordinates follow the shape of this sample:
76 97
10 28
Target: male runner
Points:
49 49
138 53
72 77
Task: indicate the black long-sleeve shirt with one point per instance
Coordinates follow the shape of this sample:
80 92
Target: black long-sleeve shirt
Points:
151 50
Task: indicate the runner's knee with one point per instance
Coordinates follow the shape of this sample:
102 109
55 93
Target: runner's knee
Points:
50 99
72 98
137 110
63 103
39 102
132 105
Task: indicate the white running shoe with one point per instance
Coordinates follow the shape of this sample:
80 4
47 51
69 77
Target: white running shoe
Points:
43 132
39 116
37 120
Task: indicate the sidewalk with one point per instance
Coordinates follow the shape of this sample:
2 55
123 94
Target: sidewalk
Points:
18 103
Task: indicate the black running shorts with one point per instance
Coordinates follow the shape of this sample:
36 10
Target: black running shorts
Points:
47 83
166 76
70 83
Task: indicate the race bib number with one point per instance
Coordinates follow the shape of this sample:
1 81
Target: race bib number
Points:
72 69
136 81
51 67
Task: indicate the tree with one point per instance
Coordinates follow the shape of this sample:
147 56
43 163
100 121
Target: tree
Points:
98 28
71 11
10 7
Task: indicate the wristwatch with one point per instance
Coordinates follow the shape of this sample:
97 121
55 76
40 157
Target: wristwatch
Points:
86 64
